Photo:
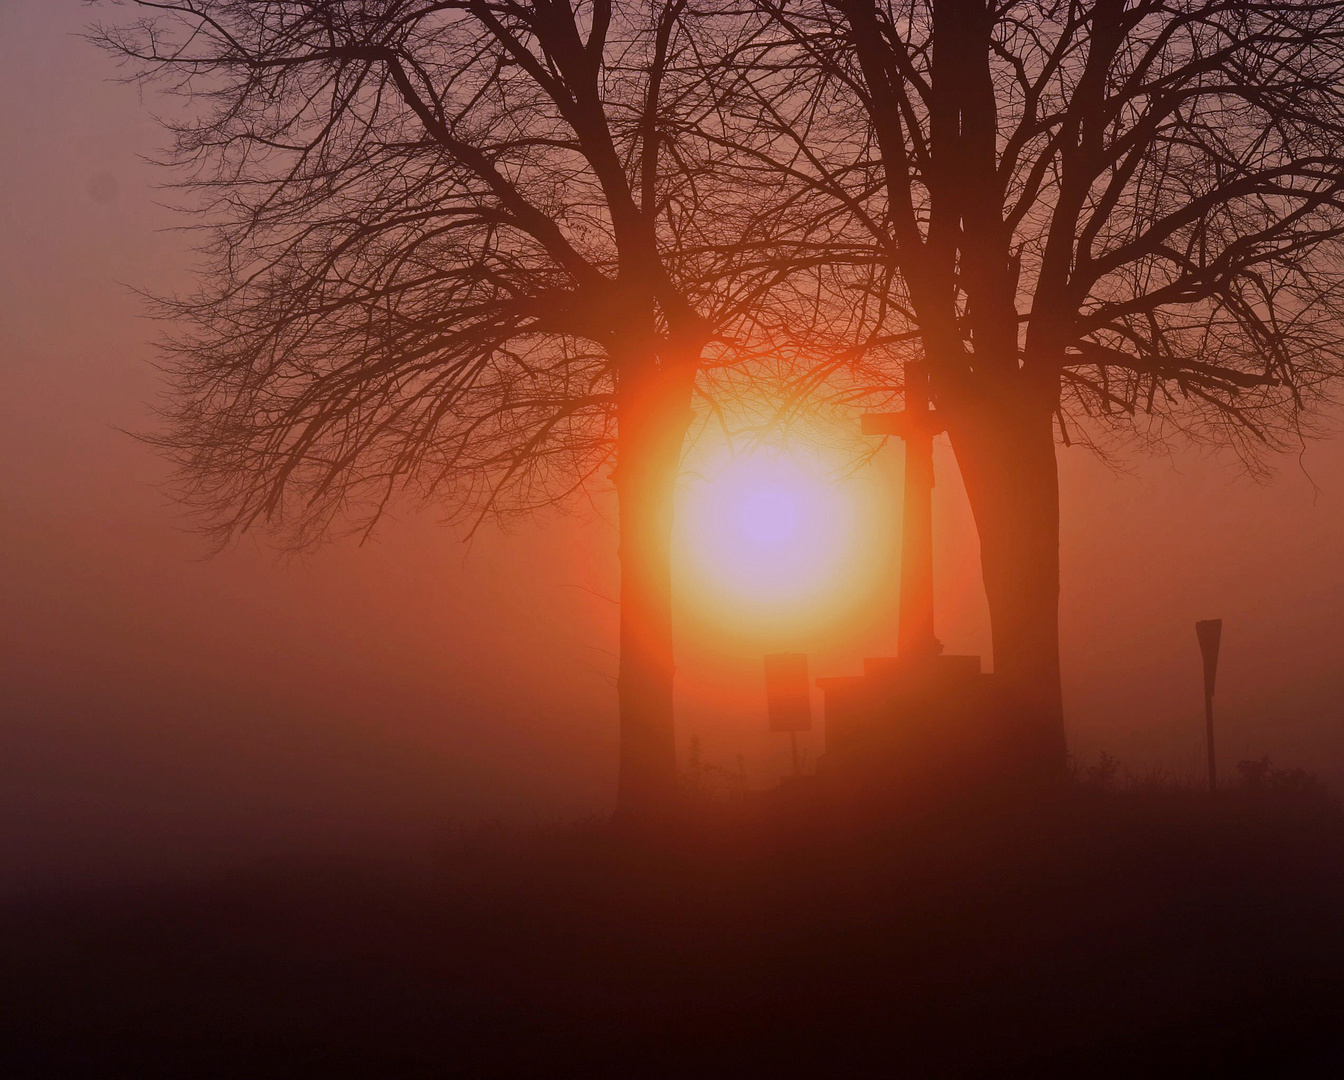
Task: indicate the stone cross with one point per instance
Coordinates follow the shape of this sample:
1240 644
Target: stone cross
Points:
916 424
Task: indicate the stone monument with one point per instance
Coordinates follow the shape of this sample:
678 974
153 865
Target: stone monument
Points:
920 721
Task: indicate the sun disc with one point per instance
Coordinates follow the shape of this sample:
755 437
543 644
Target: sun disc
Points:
771 530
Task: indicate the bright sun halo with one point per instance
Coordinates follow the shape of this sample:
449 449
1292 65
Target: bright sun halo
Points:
768 528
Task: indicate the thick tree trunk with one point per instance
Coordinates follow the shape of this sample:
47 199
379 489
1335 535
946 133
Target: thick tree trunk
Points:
1006 453
653 416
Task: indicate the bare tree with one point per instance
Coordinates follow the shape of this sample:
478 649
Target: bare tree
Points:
1087 217
458 249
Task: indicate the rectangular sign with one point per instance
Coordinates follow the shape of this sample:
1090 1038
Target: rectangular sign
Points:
788 696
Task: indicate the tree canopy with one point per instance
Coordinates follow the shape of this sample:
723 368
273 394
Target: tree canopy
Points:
434 235
1136 201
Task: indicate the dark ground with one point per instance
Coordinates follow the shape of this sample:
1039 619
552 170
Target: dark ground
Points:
1132 933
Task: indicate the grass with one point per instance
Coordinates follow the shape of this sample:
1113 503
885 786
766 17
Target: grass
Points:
1128 927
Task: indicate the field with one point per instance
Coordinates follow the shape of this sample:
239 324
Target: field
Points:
1140 931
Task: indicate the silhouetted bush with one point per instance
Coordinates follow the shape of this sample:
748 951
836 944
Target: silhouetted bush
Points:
1253 774
1260 779
1103 773
705 782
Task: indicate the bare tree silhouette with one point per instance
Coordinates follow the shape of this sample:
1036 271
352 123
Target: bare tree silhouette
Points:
1086 217
457 249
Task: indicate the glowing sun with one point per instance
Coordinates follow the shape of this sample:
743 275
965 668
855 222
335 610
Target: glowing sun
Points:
769 528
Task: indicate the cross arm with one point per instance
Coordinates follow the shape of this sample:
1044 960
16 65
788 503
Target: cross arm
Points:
901 423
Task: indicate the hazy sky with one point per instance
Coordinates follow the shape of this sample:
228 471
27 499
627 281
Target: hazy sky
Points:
160 709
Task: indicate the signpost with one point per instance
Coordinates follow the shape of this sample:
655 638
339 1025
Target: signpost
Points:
788 697
1210 634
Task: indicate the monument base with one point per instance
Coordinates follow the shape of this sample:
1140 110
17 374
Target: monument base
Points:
925 729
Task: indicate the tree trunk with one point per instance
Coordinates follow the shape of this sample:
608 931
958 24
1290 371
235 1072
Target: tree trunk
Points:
653 416
1006 453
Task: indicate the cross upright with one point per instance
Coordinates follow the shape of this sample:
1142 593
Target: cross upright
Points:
916 424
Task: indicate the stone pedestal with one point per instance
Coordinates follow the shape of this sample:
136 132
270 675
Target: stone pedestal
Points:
919 729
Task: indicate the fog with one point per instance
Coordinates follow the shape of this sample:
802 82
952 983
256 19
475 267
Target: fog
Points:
164 711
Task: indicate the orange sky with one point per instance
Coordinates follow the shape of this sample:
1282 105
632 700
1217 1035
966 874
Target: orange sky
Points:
158 708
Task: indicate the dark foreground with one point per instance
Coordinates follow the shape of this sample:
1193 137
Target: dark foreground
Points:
1113 934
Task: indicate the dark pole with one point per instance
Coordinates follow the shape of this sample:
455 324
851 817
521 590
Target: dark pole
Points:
1208 734
1210 634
